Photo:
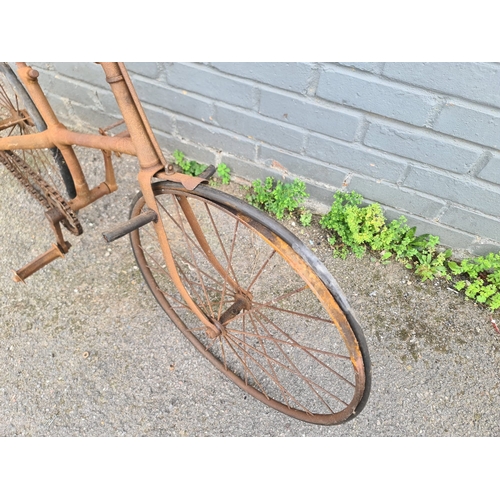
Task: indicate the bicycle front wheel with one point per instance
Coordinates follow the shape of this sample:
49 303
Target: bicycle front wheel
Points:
286 334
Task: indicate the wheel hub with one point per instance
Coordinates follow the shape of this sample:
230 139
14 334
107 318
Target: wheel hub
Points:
243 301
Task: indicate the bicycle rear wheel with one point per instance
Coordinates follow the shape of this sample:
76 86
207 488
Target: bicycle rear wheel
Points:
43 173
286 333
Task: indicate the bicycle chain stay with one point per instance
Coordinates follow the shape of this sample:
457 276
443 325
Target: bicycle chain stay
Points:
50 198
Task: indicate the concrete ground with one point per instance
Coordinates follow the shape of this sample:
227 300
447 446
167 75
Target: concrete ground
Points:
86 351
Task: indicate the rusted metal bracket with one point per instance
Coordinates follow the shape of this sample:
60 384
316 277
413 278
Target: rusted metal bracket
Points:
187 181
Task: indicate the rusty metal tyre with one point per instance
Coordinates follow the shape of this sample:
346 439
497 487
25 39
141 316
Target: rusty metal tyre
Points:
50 164
288 336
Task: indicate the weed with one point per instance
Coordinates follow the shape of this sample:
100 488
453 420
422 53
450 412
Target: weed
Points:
352 226
191 167
482 282
276 197
431 265
188 167
224 173
305 217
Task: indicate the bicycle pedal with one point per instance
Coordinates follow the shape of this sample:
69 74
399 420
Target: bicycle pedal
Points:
130 225
41 261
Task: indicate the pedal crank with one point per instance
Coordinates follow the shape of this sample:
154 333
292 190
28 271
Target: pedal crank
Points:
58 249
46 258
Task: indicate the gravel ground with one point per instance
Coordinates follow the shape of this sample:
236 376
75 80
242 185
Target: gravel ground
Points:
86 351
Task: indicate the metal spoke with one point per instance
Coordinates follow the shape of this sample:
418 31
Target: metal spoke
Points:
307 316
268 358
265 371
291 343
297 372
261 269
228 259
302 377
306 351
192 255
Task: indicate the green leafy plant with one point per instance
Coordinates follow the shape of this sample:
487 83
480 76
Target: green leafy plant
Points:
482 279
356 228
189 167
276 197
305 217
352 227
224 173
431 265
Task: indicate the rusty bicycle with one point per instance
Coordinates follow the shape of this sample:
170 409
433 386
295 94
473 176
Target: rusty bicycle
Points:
250 297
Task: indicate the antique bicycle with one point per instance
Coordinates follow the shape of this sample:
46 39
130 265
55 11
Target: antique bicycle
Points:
250 297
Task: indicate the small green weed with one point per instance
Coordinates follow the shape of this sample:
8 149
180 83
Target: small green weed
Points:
305 217
191 167
356 228
482 282
276 197
224 173
352 226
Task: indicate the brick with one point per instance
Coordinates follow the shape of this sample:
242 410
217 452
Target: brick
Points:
372 67
321 195
463 191
423 147
60 106
287 76
377 96
89 73
216 138
108 103
302 166
209 83
149 69
192 151
257 127
474 81
449 237
470 124
355 158
472 222
84 118
42 67
74 91
306 114
393 196
172 100
483 247
491 172
246 169
159 119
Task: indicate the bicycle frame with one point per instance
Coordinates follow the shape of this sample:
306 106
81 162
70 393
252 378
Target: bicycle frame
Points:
138 141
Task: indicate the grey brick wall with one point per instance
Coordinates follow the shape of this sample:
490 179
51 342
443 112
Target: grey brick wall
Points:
422 139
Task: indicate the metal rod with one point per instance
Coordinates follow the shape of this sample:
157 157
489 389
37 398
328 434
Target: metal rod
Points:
131 225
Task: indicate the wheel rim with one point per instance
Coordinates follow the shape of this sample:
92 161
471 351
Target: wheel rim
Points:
283 338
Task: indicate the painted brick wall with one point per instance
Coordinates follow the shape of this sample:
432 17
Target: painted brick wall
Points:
422 139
